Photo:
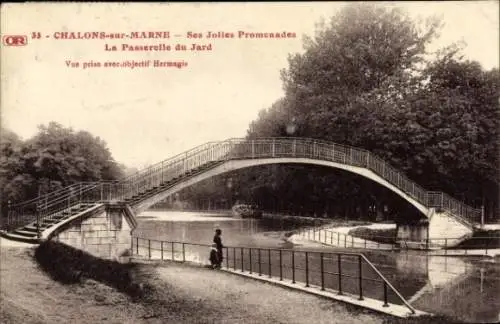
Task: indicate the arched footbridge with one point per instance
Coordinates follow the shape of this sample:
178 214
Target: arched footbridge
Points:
41 216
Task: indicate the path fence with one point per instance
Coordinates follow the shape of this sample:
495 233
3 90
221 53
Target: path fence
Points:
442 246
350 274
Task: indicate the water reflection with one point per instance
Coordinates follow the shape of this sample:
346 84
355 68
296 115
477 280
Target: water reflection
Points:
462 287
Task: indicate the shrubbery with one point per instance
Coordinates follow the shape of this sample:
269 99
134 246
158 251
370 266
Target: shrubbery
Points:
69 265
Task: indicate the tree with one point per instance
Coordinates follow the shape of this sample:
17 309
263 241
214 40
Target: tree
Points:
54 158
368 80
363 47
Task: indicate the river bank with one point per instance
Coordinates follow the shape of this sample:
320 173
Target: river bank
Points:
171 293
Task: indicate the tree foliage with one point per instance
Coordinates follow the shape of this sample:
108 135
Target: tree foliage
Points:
367 79
54 158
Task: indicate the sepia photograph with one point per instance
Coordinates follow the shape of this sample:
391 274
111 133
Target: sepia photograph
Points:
250 162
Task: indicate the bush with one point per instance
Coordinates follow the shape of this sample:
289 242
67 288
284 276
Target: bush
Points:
69 265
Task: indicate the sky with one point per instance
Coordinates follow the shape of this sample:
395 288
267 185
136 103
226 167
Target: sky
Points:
149 114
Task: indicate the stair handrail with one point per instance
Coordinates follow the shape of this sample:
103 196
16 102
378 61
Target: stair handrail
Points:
167 160
60 191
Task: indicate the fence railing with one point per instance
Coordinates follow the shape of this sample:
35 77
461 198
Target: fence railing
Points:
349 274
207 154
343 240
449 245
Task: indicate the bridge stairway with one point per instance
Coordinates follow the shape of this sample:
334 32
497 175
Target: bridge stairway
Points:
29 233
148 193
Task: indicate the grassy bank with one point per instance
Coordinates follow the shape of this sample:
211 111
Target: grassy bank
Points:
301 221
69 265
387 236
482 239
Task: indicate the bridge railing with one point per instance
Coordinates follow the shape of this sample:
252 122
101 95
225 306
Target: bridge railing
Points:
321 150
50 205
350 274
202 155
295 148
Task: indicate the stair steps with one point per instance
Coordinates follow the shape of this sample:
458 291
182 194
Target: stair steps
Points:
28 233
21 232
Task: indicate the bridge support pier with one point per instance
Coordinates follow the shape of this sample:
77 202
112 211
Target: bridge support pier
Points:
105 234
439 230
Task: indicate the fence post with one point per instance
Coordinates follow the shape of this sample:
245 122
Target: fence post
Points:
482 214
173 255
322 272
137 245
345 240
281 266
162 171
385 295
360 260
293 266
273 148
183 253
149 249
307 269
258 255
339 270
234 259
161 249
227 257
269 260
38 231
250 259
242 263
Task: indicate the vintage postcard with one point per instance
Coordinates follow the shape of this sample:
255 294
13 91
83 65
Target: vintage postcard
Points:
165 162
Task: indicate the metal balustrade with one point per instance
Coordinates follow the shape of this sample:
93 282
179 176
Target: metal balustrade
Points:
480 245
163 174
350 274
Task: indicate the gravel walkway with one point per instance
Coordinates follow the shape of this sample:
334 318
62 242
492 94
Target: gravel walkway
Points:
236 299
178 293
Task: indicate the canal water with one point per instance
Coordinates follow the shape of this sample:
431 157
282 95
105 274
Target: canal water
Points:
467 288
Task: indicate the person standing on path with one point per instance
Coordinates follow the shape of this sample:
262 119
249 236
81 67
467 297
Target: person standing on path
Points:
219 246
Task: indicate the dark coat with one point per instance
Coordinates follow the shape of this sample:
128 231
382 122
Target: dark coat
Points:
214 258
218 242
